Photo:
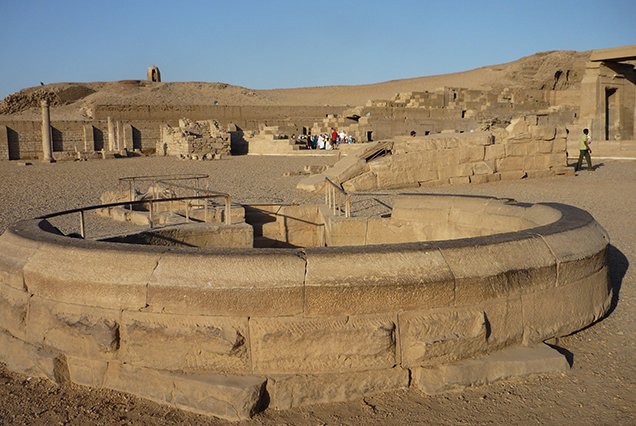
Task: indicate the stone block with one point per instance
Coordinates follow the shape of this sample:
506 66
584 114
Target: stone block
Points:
87 372
479 179
371 281
185 342
346 168
543 147
510 163
494 152
513 362
470 154
111 277
364 182
228 397
31 360
346 232
539 174
270 283
587 256
544 133
504 319
512 175
328 344
517 149
14 305
441 336
459 180
481 168
300 390
560 311
82 331
500 269
4 143
15 251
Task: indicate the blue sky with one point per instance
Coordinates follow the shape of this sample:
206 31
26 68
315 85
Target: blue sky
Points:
265 44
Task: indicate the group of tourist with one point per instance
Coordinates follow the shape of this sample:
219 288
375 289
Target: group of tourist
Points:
326 141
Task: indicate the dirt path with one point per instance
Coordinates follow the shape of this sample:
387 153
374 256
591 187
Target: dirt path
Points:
600 388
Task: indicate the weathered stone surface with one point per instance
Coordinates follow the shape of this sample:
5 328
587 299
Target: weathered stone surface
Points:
87 372
587 256
440 336
82 331
510 164
185 342
346 232
365 182
514 362
28 359
469 154
14 305
493 152
323 344
346 168
502 269
562 310
270 283
299 390
15 251
504 319
228 397
376 281
96 274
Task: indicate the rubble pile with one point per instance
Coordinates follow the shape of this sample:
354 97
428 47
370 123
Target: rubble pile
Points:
195 140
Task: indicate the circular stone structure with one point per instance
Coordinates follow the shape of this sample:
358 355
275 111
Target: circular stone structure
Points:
375 305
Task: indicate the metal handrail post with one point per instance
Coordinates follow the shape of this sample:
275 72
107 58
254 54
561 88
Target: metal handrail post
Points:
187 211
82 226
151 219
347 206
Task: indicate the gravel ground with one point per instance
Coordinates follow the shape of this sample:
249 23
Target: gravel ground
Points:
599 389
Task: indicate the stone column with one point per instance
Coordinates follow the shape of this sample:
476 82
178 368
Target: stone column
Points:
111 135
118 136
89 138
46 132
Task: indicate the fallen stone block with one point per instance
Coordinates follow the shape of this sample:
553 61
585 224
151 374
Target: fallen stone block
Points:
296 391
513 362
228 397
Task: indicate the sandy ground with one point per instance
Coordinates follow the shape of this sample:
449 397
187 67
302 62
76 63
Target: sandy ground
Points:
599 389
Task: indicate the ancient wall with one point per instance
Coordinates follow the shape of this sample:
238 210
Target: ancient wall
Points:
296 326
24 138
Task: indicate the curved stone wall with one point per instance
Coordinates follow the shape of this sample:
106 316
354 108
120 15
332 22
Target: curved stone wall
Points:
229 332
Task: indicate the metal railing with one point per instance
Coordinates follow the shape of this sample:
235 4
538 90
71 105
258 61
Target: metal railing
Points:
337 199
152 202
133 180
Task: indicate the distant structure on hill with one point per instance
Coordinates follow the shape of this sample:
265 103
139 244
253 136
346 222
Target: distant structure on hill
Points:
153 74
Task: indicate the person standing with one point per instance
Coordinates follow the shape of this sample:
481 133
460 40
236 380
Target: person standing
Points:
584 151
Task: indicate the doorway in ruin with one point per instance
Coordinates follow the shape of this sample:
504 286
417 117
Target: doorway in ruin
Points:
611 113
304 130
369 136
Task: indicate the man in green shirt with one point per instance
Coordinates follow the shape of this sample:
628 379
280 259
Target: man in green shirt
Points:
585 151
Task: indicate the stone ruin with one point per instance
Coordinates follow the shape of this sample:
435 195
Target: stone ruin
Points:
281 306
521 150
153 74
196 140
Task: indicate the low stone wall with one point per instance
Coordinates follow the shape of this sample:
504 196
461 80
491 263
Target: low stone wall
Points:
229 332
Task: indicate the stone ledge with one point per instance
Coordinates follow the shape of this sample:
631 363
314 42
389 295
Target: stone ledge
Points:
513 362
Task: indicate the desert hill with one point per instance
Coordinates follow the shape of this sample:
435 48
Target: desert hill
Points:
547 70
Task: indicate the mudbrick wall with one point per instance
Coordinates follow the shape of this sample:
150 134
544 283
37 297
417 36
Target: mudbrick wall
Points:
299 326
